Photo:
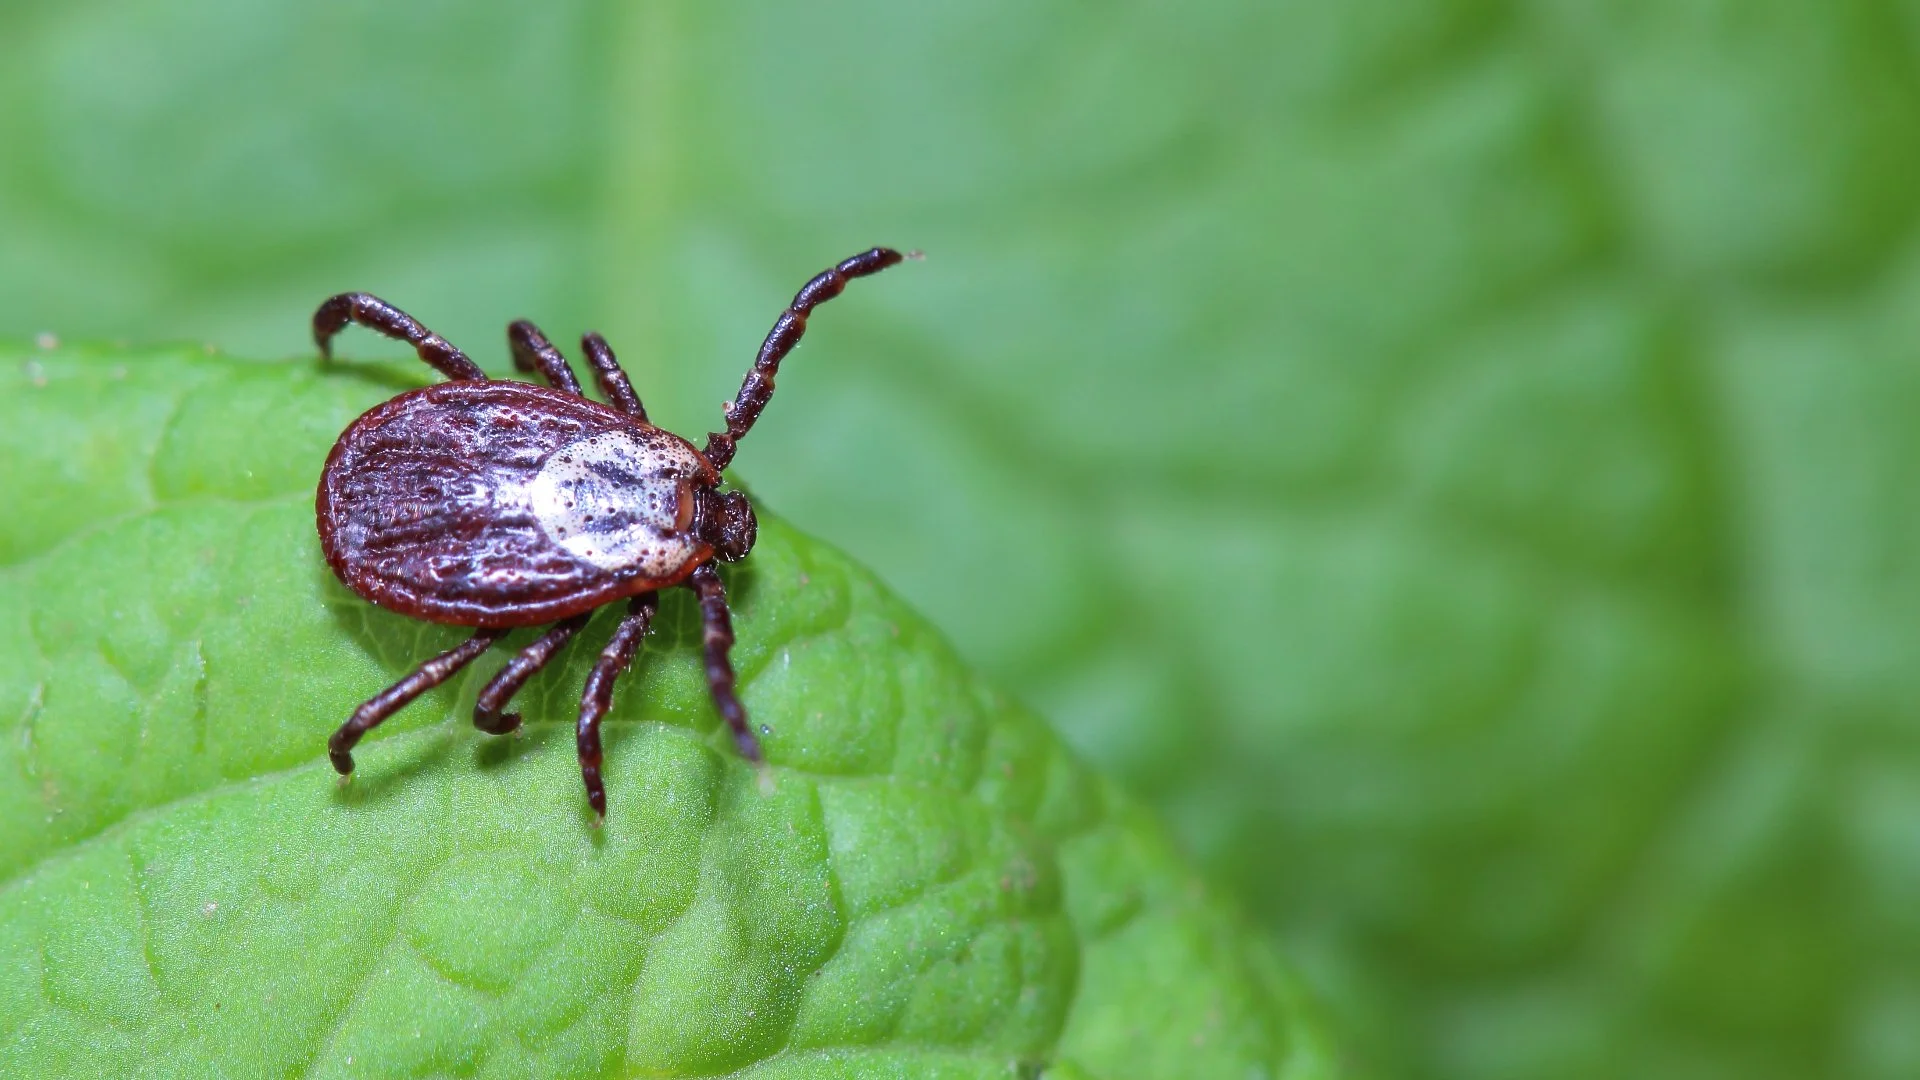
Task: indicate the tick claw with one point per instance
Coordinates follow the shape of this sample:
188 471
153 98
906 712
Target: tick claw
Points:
748 744
497 723
597 798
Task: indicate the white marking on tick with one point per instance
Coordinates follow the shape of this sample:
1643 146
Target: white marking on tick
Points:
613 501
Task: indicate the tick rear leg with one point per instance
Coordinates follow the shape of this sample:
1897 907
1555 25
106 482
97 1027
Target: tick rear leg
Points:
757 389
395 697
489 712
612 377
378 315
718 638
533 352
597 697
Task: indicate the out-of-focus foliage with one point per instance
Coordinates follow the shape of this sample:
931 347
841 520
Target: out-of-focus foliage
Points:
1456 457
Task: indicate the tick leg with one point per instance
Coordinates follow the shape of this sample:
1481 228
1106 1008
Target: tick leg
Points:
611 377
376 314
757 389
705 583
533 352
597 697
395 697
489 713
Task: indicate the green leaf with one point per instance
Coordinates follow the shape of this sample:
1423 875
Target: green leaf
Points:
926 883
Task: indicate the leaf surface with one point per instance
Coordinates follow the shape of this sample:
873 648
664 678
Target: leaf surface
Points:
928 885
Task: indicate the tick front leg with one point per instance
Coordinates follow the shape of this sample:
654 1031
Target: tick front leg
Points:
395 697
533 352
612 377
597 697
705 583
489 711
757 389
378 315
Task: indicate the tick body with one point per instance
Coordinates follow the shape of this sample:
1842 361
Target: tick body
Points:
498 504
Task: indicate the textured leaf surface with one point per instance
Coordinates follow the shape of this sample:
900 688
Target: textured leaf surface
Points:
931 886
1455 456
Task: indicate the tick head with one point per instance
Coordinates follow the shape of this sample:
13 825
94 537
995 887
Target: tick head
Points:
725 521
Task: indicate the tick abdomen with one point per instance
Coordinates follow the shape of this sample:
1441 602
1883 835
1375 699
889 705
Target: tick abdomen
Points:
506 504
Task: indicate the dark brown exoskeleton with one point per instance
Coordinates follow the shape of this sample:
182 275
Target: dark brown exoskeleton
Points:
496 504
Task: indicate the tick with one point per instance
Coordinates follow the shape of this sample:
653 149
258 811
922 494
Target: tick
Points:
497 504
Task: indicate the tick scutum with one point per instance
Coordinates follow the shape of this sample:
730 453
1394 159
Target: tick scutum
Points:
497 504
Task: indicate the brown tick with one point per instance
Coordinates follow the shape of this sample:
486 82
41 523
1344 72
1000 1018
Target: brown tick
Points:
496 504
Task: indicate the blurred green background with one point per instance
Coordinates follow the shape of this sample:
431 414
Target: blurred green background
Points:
1455 458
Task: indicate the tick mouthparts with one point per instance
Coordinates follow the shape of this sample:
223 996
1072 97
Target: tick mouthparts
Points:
725 522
